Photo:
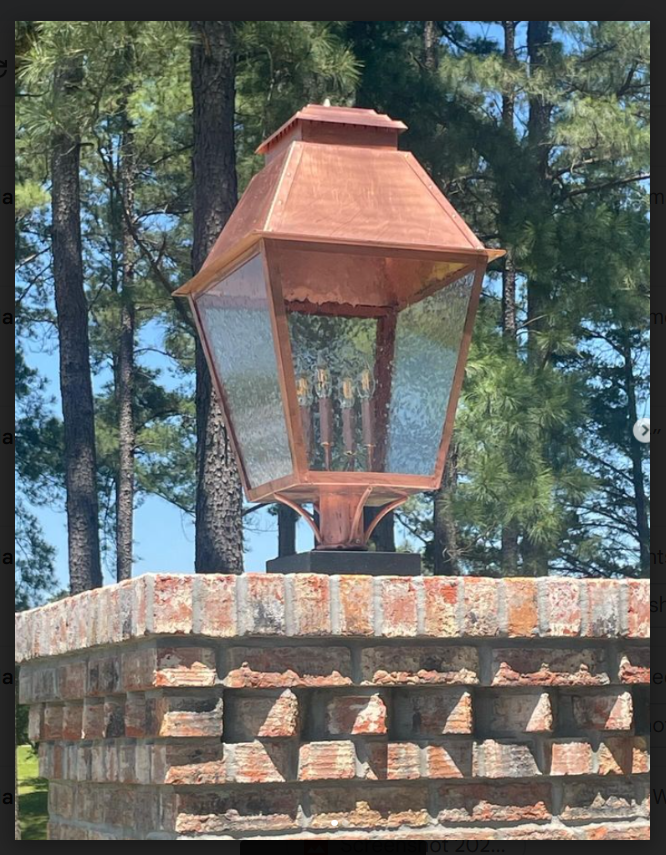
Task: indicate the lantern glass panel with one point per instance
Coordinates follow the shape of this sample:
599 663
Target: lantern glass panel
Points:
428 338
375 340
235 317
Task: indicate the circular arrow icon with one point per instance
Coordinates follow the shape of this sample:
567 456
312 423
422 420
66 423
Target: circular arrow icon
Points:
642 430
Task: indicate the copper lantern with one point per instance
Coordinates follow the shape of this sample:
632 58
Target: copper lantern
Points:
336 311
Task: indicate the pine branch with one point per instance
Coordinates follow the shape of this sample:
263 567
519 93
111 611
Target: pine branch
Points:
145 251
247 511
606 184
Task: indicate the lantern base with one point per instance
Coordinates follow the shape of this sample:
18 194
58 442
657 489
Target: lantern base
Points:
345 562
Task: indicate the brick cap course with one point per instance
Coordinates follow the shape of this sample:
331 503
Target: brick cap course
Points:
256 605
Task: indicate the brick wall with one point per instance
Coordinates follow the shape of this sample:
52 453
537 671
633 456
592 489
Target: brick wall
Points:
284 707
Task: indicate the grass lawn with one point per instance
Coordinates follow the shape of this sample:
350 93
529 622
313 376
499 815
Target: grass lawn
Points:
33 796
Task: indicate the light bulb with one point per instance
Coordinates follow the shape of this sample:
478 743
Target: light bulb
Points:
347 392
322 381
366 384
304 390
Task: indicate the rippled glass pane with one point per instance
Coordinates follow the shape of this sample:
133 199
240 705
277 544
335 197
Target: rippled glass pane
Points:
427 343
236 321
334 363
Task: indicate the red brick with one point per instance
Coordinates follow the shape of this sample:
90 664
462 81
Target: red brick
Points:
603 608
103 675
403 761
168 755
109 615
172 604
217 600
260 763
114 717
61 800
189 716
615 756
127 763
639 608
266 717
211 773
282 667
450 760
640 756
139 604
41 633
527 666
493 759
320 761
481 607
264 611
355 714
563 614
435 712
83 762
392 761
72 681
26 695
493 803
136 716
151 667
312 604
45 760
441 603
23 636
72 721
387 666
76 622
268 809
605 800
93 718
398 607
521 713
635 665
356 605
603 712
97 771
574 757
522 620
616 831
387 807
35 722
92 635
538 832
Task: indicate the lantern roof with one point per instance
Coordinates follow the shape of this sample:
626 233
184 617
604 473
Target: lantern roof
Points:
335 175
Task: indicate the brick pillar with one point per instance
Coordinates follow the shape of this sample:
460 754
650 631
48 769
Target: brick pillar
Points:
295 707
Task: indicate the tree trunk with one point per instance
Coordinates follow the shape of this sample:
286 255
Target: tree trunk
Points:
287 519
430 45
535 555
446 554
636 452
125 373
510 531
509 98
75 383
218 533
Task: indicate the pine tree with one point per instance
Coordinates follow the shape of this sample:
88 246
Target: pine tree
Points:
219 533
75 382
